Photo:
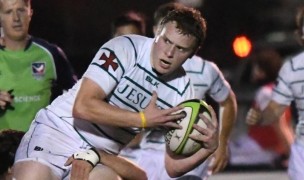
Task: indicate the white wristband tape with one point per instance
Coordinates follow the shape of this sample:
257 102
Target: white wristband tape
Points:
91 156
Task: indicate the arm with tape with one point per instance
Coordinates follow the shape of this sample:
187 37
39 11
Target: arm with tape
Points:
91 156
123 167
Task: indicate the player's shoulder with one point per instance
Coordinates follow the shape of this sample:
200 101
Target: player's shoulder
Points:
44 43
206 64
129 47
199 61
297 61
132 41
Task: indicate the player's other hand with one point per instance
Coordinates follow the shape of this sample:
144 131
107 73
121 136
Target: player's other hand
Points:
253 116
2 42
161 117
220 158
80 169
208 137
5 99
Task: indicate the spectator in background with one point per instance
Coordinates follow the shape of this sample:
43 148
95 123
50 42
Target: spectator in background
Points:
9 142
274 139
289 87
131 22
32 71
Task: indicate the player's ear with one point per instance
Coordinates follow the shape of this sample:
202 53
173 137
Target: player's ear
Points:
155 30
31 13
195 51
9 170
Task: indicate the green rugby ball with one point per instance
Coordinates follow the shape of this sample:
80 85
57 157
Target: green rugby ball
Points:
178 139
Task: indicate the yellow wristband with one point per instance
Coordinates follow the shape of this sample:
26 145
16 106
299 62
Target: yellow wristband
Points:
143 119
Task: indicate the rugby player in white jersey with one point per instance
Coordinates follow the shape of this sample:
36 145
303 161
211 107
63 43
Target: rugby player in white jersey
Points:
133 82
206 79
289 87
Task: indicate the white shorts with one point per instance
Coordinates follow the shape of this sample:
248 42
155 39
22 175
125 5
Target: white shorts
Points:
153 162
296 161
49 145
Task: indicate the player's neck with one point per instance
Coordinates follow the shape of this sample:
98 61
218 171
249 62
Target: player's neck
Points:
16 45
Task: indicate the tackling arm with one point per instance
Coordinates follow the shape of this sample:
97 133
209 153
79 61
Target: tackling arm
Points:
81 168
123 167
227 116
272 112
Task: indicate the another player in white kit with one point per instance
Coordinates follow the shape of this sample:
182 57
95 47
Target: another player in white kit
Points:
206 78
101 110
289 88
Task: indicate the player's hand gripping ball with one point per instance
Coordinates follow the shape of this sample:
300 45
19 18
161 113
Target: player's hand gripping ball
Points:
178 139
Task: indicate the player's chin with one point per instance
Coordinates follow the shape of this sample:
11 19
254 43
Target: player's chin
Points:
163 70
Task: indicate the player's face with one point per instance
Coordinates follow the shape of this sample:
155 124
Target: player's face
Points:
15 17
171 49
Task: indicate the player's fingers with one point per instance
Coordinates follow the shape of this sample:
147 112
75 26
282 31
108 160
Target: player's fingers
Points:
69 161
2 42
5 99
219 165
207 121
203 132
153 98
200 138
2 104
204 141
5 96
207 137
170 115
177 116
173 111
252 117
80 170
171 125
212 166
213 116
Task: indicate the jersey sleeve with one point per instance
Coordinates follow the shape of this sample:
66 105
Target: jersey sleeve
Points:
220 88
282 92
110 63
66 77
263 97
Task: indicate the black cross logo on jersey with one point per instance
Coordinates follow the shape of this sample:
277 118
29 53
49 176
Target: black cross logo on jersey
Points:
109 61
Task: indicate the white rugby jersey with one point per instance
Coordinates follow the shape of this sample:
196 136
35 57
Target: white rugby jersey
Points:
290 86
123 70
206 78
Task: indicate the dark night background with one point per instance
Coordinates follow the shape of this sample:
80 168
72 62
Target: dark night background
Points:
80 27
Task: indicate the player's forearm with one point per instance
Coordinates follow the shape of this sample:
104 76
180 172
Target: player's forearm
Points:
177 166
90 105
272 112
123 167
228 110
100 112
268 117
